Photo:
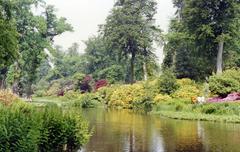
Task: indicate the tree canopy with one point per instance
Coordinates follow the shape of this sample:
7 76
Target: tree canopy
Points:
24 37
203 33
130 29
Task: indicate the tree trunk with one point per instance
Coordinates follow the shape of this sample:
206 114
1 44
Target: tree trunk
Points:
174 58
220 58
132 73
145 71
3 76
15 88
2 83
29 92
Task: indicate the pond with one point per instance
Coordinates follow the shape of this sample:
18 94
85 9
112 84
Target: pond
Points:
128 131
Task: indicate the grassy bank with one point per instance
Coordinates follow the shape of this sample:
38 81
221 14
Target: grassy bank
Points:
71 99
43 101
219 112
198 116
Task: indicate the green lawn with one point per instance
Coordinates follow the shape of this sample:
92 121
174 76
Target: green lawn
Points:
42 101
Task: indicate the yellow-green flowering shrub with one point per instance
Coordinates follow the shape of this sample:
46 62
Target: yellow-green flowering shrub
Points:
161 98
187 90
126 95
106 92
185 82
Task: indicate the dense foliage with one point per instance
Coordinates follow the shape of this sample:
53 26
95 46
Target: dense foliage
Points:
147 94
25 35
9 35
167 83
130 30
203 38
228 82
62 129
26 128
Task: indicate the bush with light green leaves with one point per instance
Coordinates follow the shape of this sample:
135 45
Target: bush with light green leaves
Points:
226 83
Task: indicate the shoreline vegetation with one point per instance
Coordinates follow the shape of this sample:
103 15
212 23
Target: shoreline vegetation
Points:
165 96
198 116
178 115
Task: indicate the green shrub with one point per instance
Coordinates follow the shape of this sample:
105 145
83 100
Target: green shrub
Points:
112 74
71 95
61 129
145 103
40 90
88 100
151 88
209 109
226 83
174 105
135 96
40 93
168 83
179 107
19 131
218 108
54 88
26 128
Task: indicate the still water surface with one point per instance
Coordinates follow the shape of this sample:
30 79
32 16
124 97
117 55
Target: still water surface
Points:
127 131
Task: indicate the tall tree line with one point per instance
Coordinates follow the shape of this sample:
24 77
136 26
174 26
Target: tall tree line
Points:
203 37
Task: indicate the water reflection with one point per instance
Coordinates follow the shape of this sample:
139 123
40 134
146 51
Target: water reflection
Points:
126 131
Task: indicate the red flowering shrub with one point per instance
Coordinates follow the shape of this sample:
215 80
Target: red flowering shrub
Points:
60 93
100 83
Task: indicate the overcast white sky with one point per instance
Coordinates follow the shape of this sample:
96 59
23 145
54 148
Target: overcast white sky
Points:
86 15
